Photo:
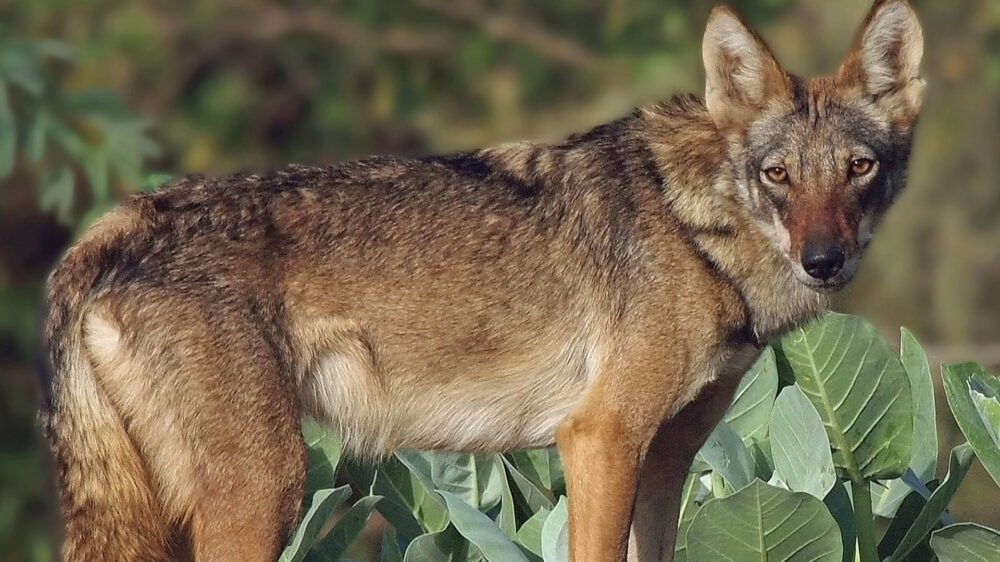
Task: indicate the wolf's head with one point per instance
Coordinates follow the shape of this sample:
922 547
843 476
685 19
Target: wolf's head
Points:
818 161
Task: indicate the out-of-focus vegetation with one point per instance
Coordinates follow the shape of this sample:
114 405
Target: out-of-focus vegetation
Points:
217 86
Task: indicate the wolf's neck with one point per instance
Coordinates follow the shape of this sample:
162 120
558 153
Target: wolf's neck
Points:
700 189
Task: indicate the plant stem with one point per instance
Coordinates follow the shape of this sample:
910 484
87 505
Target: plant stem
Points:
863 521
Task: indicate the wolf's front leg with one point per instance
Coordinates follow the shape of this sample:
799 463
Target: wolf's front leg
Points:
664 469
601 465
602 444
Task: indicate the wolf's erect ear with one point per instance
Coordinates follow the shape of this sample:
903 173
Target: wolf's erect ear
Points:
742 76
885 60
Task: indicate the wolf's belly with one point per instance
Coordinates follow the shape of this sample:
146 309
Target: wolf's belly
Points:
380 402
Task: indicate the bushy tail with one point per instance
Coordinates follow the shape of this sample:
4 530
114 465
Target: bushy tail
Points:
109 504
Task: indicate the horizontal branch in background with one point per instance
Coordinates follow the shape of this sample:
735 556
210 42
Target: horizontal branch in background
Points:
507 27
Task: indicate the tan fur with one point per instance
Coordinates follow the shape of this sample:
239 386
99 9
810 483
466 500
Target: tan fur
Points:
605 293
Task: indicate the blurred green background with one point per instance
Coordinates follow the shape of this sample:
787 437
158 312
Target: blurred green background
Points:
97 96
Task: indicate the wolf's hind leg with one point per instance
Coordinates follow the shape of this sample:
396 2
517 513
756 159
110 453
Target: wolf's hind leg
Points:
250 467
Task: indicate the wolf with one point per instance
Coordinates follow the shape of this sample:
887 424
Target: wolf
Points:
604 293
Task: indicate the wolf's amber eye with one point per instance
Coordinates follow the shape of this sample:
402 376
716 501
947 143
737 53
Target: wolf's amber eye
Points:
776 174
861 166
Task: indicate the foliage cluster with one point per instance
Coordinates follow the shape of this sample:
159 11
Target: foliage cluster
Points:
829 429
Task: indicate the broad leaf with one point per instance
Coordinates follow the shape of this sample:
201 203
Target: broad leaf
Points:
923 459
725 453
750 410
761 522
323 451
506 518
860 389
442 546
966 542
155 181
970 392
530 534
477 479
324 502
335 544
528 495
906 514
409 505
838 502
961 459
798 444
480 530
541 466
555 534
56 194
693 488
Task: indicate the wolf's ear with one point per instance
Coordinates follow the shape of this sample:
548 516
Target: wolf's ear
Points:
742 75
885 60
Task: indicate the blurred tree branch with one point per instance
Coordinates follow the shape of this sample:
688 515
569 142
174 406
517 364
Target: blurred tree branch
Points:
274 21
514 28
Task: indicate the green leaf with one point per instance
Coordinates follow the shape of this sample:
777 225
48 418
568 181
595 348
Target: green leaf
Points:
442 546
906 514
527 494
21 65
798 444
419 465
958 466
689 508
838 502
57 194
38 132
530 534
479 530
324 502
962 384
335 544
860 389
408 505
761 522
155 181
323 451
96 165
542 466
555 534
506 518
8 134
68 140
725 453
477 479
923 460
989 412
966 542
750 411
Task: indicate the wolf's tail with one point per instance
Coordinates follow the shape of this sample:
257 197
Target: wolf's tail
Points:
109 504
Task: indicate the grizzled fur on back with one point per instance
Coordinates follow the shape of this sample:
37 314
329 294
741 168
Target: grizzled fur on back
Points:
605 293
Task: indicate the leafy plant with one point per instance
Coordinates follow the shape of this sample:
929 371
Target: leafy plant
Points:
828 430
63 139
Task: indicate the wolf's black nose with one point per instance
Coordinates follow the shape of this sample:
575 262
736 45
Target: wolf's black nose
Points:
822 261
